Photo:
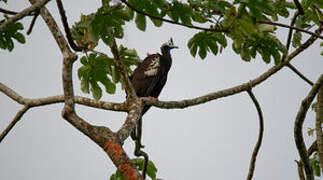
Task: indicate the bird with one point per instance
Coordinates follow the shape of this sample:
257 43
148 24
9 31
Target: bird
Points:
150 76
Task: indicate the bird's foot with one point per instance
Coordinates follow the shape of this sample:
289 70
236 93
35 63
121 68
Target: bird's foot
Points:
153 98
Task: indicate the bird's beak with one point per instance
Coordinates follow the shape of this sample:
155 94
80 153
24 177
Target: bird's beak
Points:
174 47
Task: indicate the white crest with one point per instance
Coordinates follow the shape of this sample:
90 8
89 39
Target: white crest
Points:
170 43
153 67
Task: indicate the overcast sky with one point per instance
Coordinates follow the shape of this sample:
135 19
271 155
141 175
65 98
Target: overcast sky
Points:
210 141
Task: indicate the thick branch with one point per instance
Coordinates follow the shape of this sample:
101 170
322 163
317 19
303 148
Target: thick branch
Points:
32 102
52 25
300 74
35 7
13 122
230 91
260 135
134 114
318 125
12 94
298 134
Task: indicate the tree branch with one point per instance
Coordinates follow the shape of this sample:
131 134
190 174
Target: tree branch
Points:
298 134
234 90
300 170
318 125
33 102
124 76
102 136
299 74
217 30
66 27
5 11
260 135
173 22
290 33
35 7
32 23
13 122
299 7
290 27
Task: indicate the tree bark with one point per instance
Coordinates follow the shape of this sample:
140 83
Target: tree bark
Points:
318 125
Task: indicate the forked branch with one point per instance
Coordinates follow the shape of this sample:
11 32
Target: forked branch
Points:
33 8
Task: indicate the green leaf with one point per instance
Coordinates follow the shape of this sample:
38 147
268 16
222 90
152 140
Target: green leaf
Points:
19 37
193 50
10 44
96 90
85 86
140 22
83 71
202 50
213 46
314 106
245 54
297 37
151 170
84 61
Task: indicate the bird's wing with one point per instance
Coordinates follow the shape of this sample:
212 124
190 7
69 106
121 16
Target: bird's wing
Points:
152 74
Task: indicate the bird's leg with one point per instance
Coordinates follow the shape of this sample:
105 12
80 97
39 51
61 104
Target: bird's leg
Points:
138 151
153 98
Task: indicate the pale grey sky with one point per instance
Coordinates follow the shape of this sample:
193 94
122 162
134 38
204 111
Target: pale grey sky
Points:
210 141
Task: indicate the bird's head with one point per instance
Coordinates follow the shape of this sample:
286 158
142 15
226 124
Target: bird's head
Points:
167 46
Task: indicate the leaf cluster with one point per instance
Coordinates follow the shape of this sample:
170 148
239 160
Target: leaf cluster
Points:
204 42
312 17
139 164
9 33
99 68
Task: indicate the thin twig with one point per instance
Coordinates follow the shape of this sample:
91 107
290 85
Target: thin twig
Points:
13 122
32 23
298 126
217 30
290 27
138 151
173 22
8 11
35 7
290 33
312 149
299 7
260 135
293 68
66 27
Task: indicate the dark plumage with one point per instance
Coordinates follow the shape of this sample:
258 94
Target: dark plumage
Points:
150 76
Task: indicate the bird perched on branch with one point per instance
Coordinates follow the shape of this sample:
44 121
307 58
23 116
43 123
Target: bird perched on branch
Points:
150 76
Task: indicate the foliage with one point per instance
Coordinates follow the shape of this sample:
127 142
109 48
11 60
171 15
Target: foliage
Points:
100 68
11 32
316 165
139 164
